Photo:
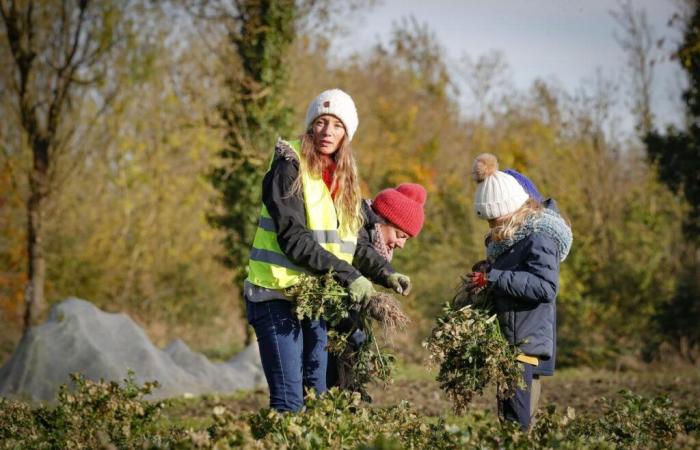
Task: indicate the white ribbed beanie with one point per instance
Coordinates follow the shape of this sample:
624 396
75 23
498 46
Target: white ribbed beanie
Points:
337 103
497 193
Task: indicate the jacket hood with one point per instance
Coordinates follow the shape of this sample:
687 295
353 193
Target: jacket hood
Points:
283 149
371 217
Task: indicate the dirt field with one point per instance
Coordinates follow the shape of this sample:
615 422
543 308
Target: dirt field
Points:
577 388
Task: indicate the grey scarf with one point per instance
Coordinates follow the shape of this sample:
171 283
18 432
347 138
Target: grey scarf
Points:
549 222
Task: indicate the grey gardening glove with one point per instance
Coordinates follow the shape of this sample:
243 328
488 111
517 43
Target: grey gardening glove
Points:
400 283
361 290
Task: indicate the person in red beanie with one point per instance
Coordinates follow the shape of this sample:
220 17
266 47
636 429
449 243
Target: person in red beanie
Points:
400 216
394 216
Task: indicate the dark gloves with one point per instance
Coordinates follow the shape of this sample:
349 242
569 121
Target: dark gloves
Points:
400 283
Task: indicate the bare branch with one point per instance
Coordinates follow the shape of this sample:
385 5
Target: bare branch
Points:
637 41
76 35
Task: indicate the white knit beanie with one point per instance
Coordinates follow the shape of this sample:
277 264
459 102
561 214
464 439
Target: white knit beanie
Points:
497 193
337 103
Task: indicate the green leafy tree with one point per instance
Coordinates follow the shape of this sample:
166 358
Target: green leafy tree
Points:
677 157
254 113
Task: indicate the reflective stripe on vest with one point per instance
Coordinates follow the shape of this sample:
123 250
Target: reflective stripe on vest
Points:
320 236
268 266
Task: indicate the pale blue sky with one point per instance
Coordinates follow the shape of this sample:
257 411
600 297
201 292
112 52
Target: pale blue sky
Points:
564 40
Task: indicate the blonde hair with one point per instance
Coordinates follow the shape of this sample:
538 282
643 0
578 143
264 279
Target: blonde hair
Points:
506 227
347 201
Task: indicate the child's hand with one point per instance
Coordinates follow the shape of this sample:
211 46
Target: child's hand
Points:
477 281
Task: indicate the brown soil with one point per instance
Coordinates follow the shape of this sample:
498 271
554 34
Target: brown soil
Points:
580 388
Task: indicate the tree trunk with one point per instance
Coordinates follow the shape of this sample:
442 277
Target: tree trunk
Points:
36 271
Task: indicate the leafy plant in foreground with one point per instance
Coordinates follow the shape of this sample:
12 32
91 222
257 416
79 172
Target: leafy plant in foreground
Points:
95 414
468 345
109 415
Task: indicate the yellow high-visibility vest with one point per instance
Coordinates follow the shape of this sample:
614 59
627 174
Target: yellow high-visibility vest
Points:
268 266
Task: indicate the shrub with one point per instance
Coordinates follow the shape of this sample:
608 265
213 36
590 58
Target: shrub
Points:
109 415
93 415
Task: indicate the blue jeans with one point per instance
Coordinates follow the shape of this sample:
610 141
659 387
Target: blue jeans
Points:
293 352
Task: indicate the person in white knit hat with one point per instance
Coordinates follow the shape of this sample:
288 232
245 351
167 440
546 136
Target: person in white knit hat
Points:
498 194
525 246
309 224
336 103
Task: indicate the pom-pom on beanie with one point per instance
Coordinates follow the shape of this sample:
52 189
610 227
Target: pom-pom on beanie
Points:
527 184
402 206
497 193
338 104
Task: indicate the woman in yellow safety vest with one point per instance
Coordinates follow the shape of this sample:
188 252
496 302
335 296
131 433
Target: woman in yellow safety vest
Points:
309 223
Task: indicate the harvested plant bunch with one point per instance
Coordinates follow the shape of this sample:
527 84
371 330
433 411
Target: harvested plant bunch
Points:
385 309
320 297
357 366
468 345
466 295
323 297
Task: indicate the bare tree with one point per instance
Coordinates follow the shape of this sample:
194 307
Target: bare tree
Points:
483 76
58 51
637 41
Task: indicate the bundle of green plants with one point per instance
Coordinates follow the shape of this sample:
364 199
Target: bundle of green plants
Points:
468 346
323 297
358 366
317 297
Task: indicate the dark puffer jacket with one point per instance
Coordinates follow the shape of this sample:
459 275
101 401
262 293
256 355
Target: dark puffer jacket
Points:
366 258
524 284
546 367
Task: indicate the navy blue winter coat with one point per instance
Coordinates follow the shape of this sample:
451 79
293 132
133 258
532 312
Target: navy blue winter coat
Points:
524 283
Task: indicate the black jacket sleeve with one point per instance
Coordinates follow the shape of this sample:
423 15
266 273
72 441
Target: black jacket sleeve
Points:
366 259
289 215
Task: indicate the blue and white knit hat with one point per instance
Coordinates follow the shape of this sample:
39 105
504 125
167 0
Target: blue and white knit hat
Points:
527 184
497 193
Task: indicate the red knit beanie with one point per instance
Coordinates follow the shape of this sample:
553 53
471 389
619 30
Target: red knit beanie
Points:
402 206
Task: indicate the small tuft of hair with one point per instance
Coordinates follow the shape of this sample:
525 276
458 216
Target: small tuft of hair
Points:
484 166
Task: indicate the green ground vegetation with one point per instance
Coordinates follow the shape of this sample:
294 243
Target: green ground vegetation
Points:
109 415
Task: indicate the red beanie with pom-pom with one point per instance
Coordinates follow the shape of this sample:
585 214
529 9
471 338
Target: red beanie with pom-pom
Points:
402 206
